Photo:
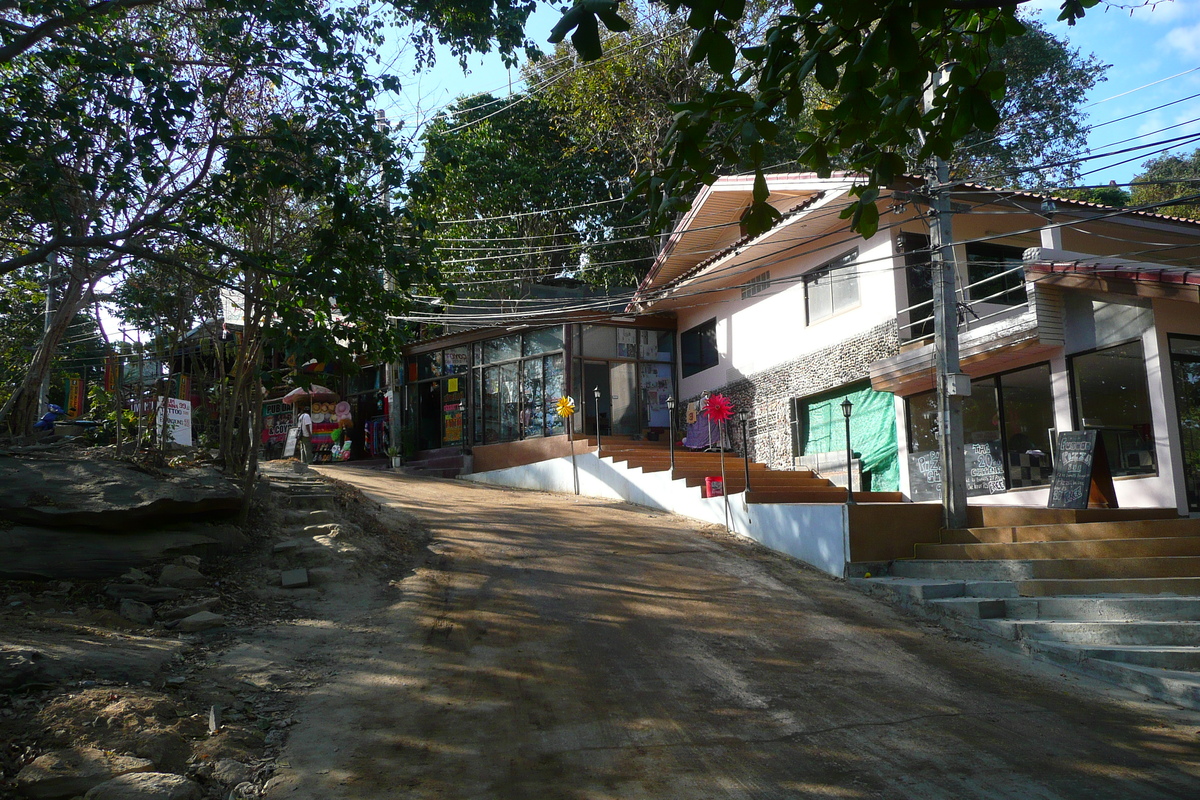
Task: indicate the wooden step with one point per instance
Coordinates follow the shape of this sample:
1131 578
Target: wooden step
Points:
1087 548
1016 516
819 496
1129 529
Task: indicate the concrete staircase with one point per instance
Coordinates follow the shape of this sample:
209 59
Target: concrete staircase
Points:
766 485
1114 593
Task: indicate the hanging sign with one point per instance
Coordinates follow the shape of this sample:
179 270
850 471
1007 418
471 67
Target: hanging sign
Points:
74 398
112 373
1081 473
185 387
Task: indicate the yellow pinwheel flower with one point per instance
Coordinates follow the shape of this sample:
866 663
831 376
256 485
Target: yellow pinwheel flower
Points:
565 407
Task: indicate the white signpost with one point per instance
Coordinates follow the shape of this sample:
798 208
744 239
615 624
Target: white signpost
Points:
179 420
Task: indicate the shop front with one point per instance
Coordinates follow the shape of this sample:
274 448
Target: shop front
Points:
471 390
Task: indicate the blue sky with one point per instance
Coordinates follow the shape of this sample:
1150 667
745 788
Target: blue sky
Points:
1145 45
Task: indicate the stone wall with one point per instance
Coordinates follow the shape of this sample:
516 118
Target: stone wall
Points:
767 394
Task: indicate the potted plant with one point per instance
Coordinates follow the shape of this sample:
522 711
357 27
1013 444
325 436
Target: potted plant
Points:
394 455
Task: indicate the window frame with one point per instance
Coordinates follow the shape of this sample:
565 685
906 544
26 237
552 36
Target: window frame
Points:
847 261
689 368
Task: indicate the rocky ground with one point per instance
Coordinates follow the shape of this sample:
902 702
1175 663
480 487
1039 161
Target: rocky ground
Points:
153 684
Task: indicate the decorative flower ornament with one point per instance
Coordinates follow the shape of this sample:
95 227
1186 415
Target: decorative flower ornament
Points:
565 407
719 408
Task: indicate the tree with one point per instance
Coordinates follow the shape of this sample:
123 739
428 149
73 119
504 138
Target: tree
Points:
124 118
875 58
1167 178
1041 117
496 180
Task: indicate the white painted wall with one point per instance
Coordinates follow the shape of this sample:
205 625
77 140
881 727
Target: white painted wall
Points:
816 534
769 329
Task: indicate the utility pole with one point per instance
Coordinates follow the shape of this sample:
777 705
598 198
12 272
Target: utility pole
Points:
44 390
393 367
952 385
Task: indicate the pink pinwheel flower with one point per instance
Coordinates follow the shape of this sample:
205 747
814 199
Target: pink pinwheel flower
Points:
719 408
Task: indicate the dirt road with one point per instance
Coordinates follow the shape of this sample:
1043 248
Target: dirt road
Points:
557 647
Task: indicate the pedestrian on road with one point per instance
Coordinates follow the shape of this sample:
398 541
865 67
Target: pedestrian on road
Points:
306 448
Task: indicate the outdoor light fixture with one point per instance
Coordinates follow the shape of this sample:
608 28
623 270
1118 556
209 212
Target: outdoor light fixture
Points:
671 431
847 407
596 394
744 418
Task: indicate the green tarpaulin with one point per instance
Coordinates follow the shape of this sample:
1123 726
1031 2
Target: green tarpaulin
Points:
872 432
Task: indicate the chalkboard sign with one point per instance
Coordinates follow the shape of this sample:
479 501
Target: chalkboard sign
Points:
984 465
1081 472
289 446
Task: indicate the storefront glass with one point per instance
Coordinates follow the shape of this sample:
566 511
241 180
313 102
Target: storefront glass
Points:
1111 397
1007 430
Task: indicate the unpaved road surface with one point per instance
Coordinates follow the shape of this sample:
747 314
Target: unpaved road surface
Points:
559 647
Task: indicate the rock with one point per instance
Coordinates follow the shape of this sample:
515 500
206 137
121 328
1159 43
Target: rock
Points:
146 786
179 612
324 529
169 751
181 577
20 667
192 562
136 576
231 773
288 547
64 490
66 773
202 621
244 791
294 578
135 611
308 517
145 594
34 553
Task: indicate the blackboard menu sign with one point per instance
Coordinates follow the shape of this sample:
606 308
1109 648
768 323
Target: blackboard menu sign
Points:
1081 472
985 471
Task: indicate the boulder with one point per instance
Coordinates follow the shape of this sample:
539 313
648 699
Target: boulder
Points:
23 666
179 612
181 577
146 786
33 553
145 594
231 773
135 611
67 773
293 578
200 622
64 490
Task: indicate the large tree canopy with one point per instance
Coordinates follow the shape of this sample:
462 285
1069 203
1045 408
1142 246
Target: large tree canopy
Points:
1168 178
875 58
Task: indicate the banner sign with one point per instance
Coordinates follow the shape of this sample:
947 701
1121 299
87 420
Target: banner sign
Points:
185 387
75 398
179 420
112 374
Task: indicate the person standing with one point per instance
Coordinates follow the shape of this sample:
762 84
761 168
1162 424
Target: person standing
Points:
305 424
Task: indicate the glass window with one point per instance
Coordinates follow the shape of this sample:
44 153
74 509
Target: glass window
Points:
457 360
429 365
995 273
543 341
510 403
1028 404
832 288
477 408
555 388
533 405
1111 397
599 341
491 405
756 285
698 347
502 349
656 346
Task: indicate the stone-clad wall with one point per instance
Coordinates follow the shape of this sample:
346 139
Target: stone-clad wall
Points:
767 394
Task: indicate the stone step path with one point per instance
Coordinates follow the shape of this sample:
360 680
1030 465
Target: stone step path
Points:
1148 643
312 527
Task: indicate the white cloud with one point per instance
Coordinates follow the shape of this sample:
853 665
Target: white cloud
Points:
1185 40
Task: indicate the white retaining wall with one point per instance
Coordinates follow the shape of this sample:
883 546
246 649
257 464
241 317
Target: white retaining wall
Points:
815 533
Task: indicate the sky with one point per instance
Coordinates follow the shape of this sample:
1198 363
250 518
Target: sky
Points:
1147 47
